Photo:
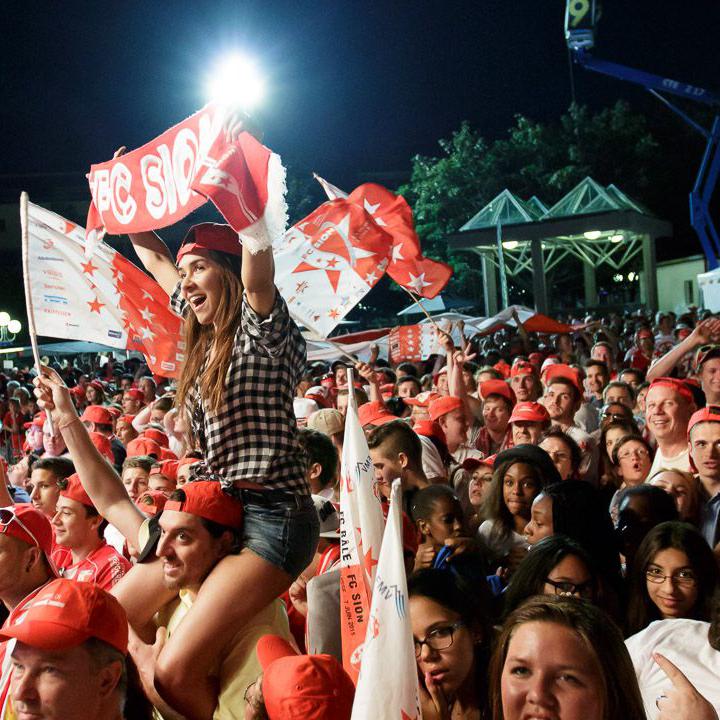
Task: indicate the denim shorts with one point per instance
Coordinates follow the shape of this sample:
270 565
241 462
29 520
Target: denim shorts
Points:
282 531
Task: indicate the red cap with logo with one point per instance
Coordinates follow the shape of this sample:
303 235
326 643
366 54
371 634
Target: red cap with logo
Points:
422 399
209 236
65 613
530 412
151 502
444 405
75 491
206 499
429 428
24 522
135 394
168 468
97 414
158 436
497 387
143 446
314 687
375 413
37 421
679 386
711 413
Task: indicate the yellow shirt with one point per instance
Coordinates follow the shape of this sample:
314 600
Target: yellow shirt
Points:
240 667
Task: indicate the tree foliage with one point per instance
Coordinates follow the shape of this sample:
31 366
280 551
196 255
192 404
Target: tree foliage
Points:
613 145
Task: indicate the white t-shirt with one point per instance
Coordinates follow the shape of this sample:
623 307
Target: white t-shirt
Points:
685 644
499 548
678 462
431 463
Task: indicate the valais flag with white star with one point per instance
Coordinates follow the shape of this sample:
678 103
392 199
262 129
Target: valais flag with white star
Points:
326 263
102 299
408 266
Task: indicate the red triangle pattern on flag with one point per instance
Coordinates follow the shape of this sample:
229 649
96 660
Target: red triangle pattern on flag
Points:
153 329
408 266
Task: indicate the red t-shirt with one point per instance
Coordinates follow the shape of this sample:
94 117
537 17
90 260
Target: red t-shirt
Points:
104 566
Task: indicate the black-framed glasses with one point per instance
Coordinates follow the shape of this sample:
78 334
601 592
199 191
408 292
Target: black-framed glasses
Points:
566 589
685 577
7 516
441 638
614 416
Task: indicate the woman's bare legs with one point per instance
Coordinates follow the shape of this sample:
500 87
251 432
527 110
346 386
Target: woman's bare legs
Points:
238 588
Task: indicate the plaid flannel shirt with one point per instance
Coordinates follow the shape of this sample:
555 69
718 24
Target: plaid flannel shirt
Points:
254 437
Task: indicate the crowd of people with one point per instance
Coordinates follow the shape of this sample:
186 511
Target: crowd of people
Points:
171 549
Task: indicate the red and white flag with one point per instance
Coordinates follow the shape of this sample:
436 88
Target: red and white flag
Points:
102 299
408 266
326 263
169 177
413 343
389 691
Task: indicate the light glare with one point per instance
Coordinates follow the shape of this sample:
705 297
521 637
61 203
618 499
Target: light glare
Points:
14 327
236 82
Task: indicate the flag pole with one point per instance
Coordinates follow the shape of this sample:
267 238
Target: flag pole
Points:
416 300
25 235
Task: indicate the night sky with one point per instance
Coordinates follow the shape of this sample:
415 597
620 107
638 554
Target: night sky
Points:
355 87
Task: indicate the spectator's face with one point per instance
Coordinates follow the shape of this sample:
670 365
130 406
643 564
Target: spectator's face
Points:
676 595
710 377
596 379
646 345
53 444
560 454
126 432
387 467
59 684
341 375
549 672
442 384
611 437
619 396
519 489
455 426
14 558
524 387
187 549
469 379
496 414
541 520
158 481
92 395
451 666
705 449
201 285
634 462
130 405
408 389
667 413
572 570
45 492
147 387
631 378
445 521
34 437
602 353
342 403
135 480
560 402
183 474
157 415
525 432
682 489
73 528
479 485
126 383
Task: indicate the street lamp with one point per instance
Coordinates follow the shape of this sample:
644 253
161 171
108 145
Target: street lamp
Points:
236 81
9 329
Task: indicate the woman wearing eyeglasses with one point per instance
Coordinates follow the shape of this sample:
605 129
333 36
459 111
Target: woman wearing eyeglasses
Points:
674 575
451 628
631 458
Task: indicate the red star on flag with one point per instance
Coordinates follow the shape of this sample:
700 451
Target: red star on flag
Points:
88 267
369 562
333 314
405 716
95 305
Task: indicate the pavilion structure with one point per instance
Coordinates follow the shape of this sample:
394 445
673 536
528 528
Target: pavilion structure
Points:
596 225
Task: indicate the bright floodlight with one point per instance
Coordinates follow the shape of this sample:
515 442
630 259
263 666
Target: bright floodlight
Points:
4 319
236 82
14 327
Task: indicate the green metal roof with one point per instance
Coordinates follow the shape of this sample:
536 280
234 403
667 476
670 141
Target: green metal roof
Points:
505 209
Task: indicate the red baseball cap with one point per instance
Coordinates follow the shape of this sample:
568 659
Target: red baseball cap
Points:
167 454
679 386
444 405
158 436
78 391
143 446
206 499
644 333
151 502
422 399
497 387
125 419
561 370
75 491
522 367
38 420
97 385
530 412
97 414
209 236
66 613
429 428
711 413
115 412
24 522
183 461
375 413
103 445
168 468
135 394
313 687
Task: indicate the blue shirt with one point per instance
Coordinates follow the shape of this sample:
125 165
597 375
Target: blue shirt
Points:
709 519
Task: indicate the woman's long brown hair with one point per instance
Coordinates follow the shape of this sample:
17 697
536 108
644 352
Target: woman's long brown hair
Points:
203 339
